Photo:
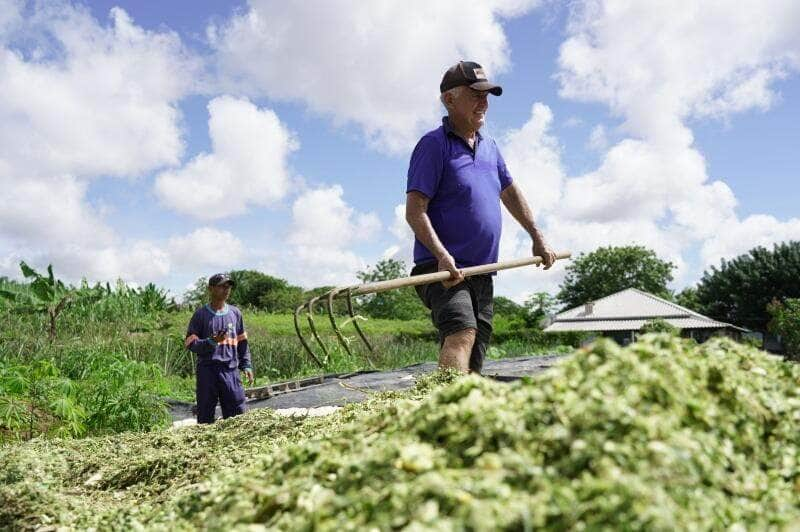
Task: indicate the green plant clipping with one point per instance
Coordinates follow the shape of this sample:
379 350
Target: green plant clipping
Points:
659 325
660 435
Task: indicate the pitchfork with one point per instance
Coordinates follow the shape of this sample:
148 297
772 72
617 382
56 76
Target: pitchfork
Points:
348 292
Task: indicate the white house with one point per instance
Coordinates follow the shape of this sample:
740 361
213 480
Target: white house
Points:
622 315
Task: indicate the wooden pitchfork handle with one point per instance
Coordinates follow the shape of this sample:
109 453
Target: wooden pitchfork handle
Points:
415 280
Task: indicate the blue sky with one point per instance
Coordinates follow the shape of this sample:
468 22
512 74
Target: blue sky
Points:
624 123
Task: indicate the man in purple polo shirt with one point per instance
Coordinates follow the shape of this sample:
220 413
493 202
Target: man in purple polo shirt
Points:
216 335
456 181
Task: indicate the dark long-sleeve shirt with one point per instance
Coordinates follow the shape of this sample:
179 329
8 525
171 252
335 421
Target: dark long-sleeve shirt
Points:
233 351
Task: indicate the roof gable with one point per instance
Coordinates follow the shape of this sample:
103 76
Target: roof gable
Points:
630 310
630 303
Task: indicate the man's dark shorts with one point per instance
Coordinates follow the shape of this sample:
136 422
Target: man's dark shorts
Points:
467 305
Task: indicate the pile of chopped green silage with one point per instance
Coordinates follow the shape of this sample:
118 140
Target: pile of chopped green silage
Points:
660 435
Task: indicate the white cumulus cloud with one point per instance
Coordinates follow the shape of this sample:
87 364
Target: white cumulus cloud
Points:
247 165
598 138
742 236
206 248
49 212
323 233
375 64
658 68
102 101
533 157
403 247
656 65
79 100
136 261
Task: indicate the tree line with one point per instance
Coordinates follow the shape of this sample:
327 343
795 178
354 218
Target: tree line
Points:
756 290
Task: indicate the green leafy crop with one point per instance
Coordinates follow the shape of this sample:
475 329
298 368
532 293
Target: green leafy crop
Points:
660 435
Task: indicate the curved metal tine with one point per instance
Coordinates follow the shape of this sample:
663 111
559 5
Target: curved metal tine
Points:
303 340
342 341
310 317
358 329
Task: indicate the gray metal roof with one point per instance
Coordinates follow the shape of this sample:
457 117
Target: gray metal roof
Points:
631 325
629 310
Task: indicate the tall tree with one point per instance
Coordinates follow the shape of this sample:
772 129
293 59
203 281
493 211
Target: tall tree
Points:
688 298
504 306
538 306
281 299
402 304
610 269
739 290
252 286
253 289
197 295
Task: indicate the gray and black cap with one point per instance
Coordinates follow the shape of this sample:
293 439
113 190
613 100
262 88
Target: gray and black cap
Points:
220 279
468 74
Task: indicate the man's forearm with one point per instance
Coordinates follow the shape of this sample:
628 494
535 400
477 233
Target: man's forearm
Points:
423 229
518 207
200 346
417 217
243 353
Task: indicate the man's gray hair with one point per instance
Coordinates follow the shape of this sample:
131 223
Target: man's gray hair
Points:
455 91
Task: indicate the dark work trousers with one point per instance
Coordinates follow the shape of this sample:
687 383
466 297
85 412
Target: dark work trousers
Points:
219 383
467 305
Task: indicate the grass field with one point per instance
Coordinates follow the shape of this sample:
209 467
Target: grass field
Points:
278 355
112 364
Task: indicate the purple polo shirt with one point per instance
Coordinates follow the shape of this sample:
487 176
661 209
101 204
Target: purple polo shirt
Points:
464 187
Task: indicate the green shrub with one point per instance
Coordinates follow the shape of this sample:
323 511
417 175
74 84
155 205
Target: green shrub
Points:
786 323
82 391
120 394
402 304
659 325
36 399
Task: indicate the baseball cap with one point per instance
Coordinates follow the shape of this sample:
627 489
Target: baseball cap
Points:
220 278
469 74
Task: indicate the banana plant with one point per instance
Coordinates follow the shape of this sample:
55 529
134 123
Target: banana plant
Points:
45 294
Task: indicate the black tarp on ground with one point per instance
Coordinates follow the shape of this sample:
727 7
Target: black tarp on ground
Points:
343 389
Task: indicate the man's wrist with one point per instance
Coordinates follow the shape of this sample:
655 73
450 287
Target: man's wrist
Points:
440 255
536 236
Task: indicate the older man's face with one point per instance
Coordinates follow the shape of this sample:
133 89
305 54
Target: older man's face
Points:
469 107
